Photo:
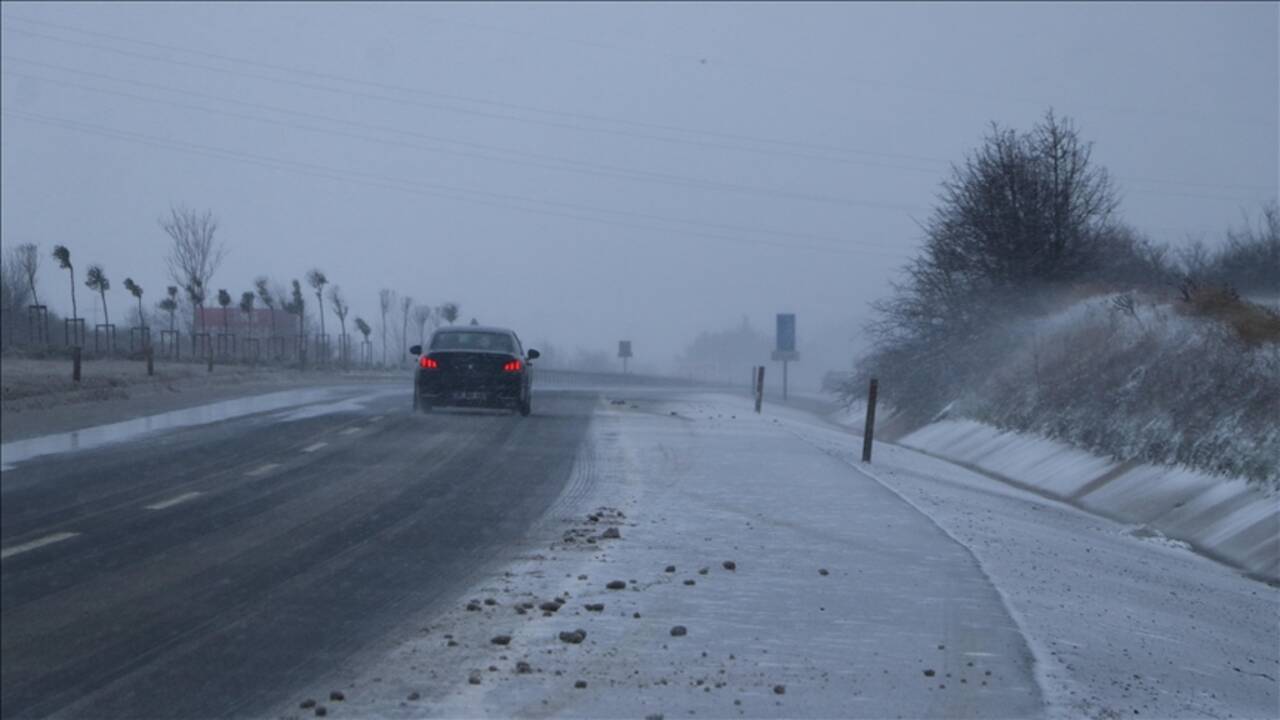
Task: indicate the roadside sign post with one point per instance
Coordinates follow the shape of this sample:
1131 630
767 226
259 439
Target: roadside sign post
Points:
624 352
785 346
869 429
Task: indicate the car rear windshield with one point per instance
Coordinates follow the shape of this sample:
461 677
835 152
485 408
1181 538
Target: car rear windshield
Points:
463 340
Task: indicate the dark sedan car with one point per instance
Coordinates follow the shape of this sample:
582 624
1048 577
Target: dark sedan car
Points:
473 366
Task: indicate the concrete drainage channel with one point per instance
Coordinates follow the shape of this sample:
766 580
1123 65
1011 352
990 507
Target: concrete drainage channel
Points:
1227 519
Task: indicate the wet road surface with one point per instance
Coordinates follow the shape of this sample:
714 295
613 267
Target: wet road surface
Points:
205 571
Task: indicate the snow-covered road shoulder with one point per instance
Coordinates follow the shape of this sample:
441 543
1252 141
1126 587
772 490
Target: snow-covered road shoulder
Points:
759 571
802 590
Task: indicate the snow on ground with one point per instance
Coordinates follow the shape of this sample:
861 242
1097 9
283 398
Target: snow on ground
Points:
931 567
1124 622
842 600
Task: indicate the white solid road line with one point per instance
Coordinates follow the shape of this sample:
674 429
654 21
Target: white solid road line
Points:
174 501
263 470
46 540
315 447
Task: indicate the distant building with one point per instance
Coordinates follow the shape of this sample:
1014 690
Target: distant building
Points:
215 319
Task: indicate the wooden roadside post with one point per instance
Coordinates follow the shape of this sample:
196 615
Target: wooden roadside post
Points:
151 360
869 430
759 387
75 363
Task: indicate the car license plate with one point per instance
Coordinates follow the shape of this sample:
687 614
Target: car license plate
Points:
468 396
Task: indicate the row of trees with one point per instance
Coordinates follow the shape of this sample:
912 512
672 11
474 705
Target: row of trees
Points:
195 254
1025 220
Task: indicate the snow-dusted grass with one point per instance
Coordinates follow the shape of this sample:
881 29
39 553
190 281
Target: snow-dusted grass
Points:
1156 384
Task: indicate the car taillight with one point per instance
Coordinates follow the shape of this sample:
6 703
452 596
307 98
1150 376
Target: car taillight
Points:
427 363
513 366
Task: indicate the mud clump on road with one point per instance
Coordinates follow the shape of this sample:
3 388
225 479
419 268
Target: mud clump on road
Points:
414 696
704 571
679 631
690 581
779 689
501 640
611 534
573 637
670 569
594 607
580 684
729 565
616 585
337 696
523 668
823 571
929 673
307 704
550 606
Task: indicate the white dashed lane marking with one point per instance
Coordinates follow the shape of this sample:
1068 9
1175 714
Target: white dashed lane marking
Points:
263 470
313 448
375 418
174 501
39 543
350 431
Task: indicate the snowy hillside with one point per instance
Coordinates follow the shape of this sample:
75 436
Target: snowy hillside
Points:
1142 379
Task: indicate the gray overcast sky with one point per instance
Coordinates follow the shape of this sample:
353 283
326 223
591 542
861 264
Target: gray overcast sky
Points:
744 159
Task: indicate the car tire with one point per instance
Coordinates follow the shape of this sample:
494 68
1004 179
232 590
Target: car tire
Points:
526 407
424 407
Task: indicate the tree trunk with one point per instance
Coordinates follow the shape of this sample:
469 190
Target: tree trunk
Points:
74 316
106 317
320 301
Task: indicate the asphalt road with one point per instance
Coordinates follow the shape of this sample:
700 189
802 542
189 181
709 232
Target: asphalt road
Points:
209 571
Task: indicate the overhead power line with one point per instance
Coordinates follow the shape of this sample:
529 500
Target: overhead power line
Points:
462 111
332 77
437 190
538 159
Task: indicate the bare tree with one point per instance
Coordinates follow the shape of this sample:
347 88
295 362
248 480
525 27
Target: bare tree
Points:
195 253
96 279
170 304
422 315
448 312
269 300
246 307
340 308
224 302
297 305
136 290
63 256
317 281
385 298
406 303
196 295
15 292
27 258
364 329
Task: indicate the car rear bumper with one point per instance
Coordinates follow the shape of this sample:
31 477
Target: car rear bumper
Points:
471 392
